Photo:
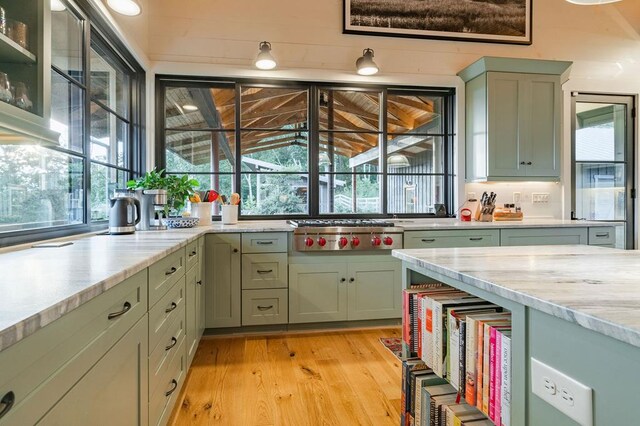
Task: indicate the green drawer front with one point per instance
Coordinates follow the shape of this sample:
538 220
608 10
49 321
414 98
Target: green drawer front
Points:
602 236
455 238
161 404
163 314
543 236
264 242
267 270
161 356
261 307
45 365
164 274
193 254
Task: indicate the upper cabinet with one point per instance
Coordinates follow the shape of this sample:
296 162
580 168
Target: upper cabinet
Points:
25 76
513 119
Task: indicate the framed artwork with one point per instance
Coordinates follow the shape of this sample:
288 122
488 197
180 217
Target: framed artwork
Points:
489 21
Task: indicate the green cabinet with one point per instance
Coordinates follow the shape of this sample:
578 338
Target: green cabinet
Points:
112 389
513 119
543 236
223 288
452 238
192 305
344 289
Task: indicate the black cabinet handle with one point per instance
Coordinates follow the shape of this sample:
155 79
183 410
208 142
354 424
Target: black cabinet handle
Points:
125 309
605 235
199 282
171 271
351 280
264 272
172 307
6 403
476 238
428 240
265 308
193 253
264 243
175 386
529 163
342 280
235 250
174 341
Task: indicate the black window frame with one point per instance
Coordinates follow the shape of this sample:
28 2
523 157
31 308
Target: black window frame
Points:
448 135
95 26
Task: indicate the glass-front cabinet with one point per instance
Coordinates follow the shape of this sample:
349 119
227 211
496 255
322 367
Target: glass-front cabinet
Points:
25 63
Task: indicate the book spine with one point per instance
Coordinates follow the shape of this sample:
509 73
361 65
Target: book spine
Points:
432 413
425 399
428 339
479 362
498 401
485 368
419 321
453 350
405 317
470 385
412 392
462 358
506 381
417 411
403 396
414 324
492 373
437 339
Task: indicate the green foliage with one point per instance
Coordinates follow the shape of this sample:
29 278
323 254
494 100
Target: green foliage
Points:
179 188
151 180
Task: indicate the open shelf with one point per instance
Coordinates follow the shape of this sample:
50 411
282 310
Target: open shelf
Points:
12 52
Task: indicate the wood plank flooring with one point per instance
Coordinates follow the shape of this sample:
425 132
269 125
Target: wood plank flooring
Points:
344 377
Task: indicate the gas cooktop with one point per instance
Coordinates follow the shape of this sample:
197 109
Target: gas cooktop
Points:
345 235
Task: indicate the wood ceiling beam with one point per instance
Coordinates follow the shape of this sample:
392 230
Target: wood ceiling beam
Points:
420 104
267 93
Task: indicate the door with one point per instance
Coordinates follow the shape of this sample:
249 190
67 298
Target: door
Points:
317 292
375 290
222 259
602 162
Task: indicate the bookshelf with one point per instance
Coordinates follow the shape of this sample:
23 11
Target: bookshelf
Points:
413 275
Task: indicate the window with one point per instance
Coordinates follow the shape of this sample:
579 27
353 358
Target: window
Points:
311 150
48 192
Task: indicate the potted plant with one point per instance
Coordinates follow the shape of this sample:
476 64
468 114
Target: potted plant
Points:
178 188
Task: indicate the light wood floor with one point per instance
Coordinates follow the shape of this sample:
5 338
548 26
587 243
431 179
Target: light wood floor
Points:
344 377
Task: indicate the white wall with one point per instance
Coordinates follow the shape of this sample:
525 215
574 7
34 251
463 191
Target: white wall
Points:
220 38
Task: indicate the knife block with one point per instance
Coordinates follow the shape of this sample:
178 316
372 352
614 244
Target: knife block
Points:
485 217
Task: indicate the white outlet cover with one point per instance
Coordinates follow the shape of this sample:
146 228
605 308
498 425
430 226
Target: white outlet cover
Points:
582 408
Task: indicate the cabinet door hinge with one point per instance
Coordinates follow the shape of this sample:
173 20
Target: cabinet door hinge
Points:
633 193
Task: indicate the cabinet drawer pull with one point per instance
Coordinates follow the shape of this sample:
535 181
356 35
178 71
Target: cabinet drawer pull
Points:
265 308
529 163
342 280
171 271
199 282
174 342
605 235
125 309
264 272
476 238
351 280
193 253
264 243
522 163
175 386
6 403
172 307
235 250
428 240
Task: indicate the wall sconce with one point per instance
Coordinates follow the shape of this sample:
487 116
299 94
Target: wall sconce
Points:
125 7
365 64
265 61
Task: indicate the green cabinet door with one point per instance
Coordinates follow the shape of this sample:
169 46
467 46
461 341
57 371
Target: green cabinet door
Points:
191 310
114 391
542 236
374 290
200 294
541 121
317 292
223 292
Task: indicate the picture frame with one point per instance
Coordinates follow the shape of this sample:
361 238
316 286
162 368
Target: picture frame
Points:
490 21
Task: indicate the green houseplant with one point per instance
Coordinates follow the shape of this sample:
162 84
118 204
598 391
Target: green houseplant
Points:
178 188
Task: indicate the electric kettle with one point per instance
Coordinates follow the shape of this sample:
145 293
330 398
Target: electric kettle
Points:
122 219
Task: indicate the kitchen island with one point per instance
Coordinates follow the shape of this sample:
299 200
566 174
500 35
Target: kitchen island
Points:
574 308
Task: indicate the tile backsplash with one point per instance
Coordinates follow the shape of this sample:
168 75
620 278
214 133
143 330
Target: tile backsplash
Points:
550 209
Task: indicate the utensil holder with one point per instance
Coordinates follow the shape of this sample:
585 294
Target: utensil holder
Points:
203 212
229 214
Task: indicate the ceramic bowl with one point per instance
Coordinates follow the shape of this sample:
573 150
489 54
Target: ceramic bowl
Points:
181 222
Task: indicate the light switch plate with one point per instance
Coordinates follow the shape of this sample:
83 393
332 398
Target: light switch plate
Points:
566 394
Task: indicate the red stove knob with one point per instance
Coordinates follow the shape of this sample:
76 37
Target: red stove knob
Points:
308 241
376 241
387 241
355 241
342 242
322 241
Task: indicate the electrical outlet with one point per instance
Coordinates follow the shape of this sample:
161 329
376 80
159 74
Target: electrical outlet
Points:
540 197
471 195
566 394
516 197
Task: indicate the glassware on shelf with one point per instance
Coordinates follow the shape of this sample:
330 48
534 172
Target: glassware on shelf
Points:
22 96
3 21
18 32
5 88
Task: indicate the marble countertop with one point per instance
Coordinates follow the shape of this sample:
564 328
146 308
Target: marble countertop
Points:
597 288
446 224
39 285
